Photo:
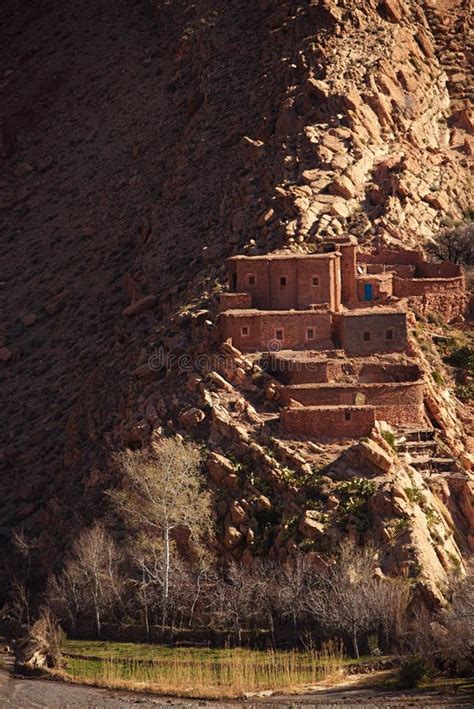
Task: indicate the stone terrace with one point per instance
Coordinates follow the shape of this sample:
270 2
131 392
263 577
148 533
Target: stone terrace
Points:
332 329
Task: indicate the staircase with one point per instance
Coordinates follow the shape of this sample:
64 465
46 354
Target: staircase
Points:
422 446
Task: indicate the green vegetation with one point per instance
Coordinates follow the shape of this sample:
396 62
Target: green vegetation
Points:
198 672
391 439
463 358
438 378
353 496
413 672
401 525
415 494
465 392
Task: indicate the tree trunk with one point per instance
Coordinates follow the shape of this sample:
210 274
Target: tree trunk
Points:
166 572
97 616
355 643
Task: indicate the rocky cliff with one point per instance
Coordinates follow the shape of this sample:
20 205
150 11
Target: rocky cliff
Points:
141 145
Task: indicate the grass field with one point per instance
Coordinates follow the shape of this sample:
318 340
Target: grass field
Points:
198 672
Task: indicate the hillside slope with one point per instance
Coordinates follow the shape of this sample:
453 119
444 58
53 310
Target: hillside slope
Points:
142 144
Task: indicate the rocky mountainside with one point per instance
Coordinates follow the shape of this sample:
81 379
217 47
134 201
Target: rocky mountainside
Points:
142 143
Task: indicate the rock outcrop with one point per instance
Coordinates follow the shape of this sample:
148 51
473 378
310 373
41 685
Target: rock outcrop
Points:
215 132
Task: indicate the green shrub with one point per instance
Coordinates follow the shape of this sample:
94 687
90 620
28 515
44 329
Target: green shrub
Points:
465 392
438 378
462 358
391 439
413 671
414 494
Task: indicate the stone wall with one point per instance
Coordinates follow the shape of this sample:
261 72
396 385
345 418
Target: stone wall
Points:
396 403
397 394
235 301
446 296
333 366
339 422
366 332
406 257
296 370
259 330
402 416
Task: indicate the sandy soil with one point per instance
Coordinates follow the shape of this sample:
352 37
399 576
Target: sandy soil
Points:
22 693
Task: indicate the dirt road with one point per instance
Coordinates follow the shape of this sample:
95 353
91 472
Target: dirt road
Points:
18 693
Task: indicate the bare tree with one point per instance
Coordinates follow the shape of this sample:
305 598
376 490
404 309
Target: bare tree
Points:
24 549
295 580
455 244
234 600
162 493
348 599
89 579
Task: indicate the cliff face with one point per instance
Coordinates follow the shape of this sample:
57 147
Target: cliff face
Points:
141 146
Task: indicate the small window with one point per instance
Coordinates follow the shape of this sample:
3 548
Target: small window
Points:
366 336
315 281
251 279
283 281
279 335
347 415
310 333
389 335
244 331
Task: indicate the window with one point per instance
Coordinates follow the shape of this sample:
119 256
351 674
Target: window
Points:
315 281
366 336
251 279
279 335
347 415
389 335
283 281
310 333
244 331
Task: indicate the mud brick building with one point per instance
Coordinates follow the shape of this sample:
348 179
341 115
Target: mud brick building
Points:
332 329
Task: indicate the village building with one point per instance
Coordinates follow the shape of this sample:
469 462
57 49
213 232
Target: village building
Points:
316 315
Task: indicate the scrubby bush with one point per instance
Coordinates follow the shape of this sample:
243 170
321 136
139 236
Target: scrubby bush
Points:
413 671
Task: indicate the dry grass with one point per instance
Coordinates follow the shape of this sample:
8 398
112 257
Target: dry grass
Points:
224 674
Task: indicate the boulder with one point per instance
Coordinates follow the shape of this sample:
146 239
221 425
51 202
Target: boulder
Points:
263 503
232 537
237 513
219 467
375 454
190 418
310 527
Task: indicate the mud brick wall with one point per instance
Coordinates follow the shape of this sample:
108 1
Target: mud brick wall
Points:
234 301
382 286
253 330
350 332
402 416
370 373
323 422
295 371
262 278
396 394
446 296
389 256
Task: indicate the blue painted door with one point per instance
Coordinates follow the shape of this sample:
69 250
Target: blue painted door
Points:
368 291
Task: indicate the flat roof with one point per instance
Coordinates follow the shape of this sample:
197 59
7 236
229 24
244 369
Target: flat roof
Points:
364 312
252 312
286 257
310 386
